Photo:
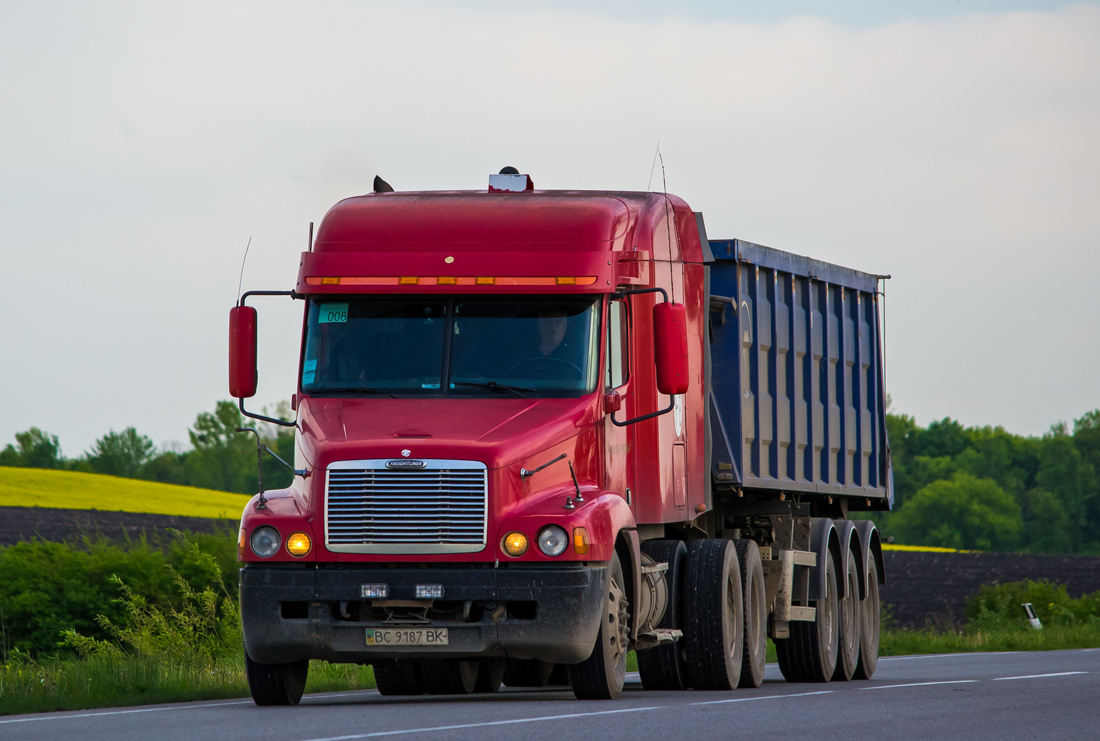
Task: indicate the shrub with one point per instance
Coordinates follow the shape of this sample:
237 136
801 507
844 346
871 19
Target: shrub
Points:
999 607
49 588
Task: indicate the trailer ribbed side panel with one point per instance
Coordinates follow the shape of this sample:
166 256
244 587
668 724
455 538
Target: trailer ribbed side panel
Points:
797 399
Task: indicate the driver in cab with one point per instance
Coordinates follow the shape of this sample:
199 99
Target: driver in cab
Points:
552 324
552 357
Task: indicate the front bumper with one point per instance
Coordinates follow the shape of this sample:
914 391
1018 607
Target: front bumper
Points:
542 612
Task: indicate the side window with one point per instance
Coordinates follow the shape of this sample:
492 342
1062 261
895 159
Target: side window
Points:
618 347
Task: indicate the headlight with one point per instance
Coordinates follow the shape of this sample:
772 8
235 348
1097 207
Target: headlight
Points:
298 544
265 541
553 540
514 544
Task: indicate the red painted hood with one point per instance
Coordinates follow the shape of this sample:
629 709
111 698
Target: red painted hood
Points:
499 432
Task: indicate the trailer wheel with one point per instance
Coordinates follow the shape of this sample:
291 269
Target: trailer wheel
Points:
848 624
450 676
869 619
713 615
662 667
602 675
527 672
809 655
490 673
754 656
398 677
276 684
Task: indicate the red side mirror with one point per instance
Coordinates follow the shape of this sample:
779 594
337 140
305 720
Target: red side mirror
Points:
242 352
671 348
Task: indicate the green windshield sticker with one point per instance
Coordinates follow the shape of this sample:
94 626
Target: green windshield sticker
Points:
332 313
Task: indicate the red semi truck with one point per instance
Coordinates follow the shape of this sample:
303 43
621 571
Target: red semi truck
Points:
536 430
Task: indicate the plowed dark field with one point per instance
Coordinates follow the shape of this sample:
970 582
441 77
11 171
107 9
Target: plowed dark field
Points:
26 523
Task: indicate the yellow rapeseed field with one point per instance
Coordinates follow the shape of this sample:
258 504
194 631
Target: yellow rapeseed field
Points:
920 548
35 487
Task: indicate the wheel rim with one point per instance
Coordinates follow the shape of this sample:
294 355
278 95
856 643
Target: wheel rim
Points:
732 649
830 618
851 647
870 617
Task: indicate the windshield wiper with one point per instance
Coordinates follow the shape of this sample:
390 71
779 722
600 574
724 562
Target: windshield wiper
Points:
359 390
500 388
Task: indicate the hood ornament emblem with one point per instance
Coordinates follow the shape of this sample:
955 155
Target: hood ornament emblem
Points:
406 453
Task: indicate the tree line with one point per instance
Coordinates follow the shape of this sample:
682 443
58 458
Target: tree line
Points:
983 488
220 457
979 488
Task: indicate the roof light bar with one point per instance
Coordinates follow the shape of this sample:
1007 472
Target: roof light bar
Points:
452 280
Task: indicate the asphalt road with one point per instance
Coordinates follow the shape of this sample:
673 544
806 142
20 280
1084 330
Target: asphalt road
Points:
1051 695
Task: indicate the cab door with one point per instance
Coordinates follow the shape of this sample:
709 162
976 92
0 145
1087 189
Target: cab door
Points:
618 441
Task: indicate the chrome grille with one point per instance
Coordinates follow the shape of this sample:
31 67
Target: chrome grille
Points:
440 508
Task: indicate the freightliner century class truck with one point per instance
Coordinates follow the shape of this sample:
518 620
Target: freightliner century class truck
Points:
536 430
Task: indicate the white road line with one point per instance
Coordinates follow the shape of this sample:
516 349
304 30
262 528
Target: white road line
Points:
919 684
486 724
1037 676
125 712
326 695
946 656
765 697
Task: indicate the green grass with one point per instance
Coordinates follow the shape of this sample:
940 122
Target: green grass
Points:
102 681
1053 638
36 487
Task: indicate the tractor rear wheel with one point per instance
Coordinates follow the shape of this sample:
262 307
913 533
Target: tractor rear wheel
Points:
662 667
713 615
754 655
396 677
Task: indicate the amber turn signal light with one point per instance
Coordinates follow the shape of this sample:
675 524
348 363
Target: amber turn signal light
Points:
298 544
514 544
580 540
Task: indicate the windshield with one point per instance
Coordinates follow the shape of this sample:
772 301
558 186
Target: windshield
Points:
509 346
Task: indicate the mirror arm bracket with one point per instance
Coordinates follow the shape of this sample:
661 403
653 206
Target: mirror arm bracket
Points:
245 412
651 415
631 292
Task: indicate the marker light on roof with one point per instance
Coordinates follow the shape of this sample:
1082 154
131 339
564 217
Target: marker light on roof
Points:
510 183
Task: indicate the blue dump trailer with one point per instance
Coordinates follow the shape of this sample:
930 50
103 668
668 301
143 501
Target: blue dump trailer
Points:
796 386
798 461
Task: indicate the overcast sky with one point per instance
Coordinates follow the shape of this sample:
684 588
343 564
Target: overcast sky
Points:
954 145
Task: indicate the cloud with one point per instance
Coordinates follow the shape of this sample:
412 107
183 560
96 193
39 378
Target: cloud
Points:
148 143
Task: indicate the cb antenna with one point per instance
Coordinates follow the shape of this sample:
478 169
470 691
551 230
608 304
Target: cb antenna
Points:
243 260
653 166
668 224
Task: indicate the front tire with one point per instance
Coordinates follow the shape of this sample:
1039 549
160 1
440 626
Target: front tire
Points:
602 675
276 684
713 612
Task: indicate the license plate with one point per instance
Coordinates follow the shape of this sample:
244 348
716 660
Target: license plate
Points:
407 637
